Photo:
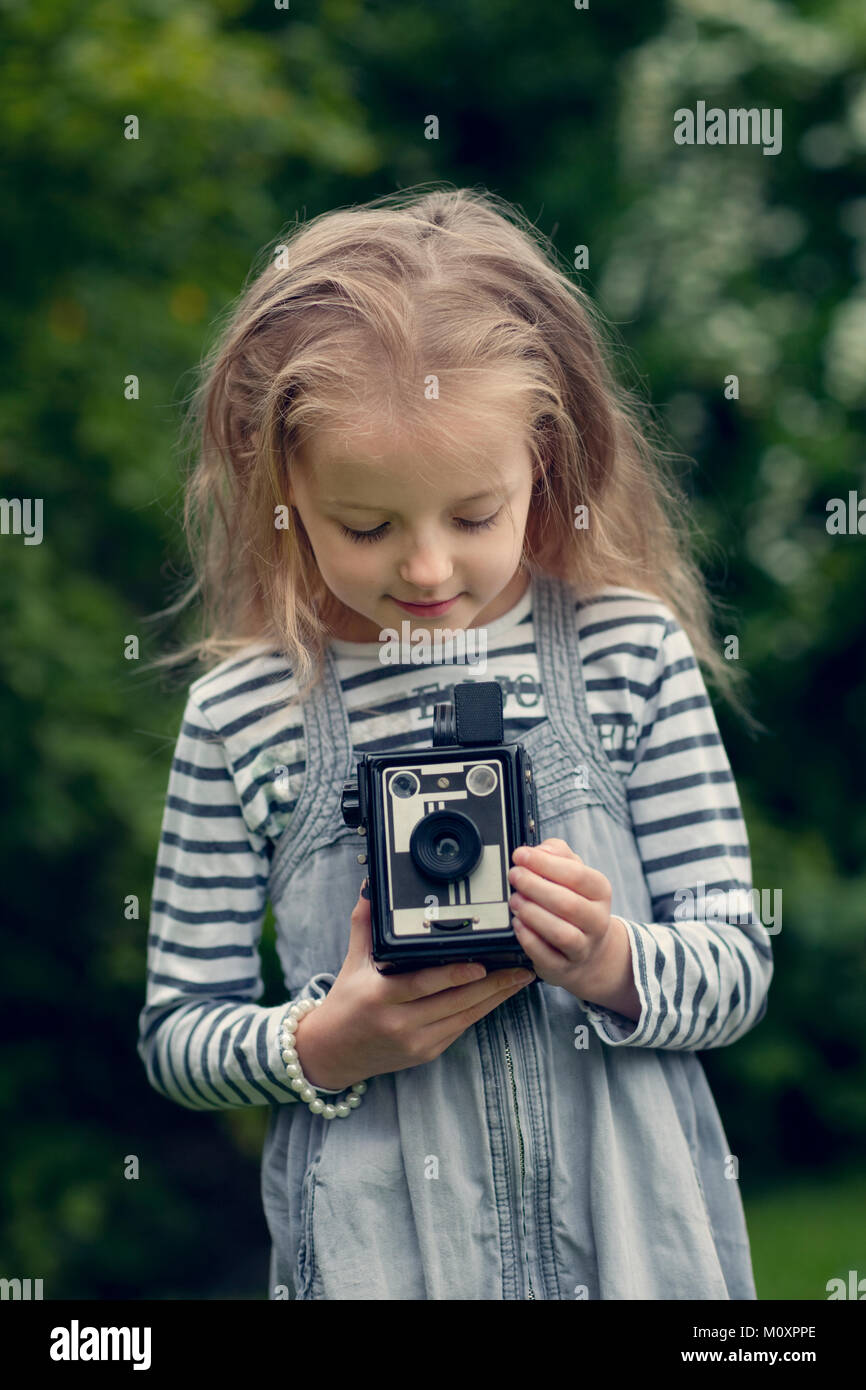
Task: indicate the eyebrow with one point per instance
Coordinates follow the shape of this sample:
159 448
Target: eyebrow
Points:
361 507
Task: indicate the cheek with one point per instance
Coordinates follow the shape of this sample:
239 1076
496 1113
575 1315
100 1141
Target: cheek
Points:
354 564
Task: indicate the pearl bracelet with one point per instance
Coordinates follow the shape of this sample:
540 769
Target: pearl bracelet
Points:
299 1082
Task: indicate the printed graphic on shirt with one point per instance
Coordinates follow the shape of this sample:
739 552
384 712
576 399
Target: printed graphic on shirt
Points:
619 737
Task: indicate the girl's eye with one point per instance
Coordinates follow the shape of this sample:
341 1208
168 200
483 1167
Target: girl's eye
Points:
380 530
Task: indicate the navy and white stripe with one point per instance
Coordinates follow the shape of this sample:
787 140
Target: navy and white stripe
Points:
204 1040
702 979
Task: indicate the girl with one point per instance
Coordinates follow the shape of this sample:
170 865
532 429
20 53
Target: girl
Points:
412 405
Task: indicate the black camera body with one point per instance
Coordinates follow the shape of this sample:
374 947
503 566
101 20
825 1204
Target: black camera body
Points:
441 828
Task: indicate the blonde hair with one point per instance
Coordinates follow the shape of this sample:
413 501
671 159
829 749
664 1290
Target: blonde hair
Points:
349 319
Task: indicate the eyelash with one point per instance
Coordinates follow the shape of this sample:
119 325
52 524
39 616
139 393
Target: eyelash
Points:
379 532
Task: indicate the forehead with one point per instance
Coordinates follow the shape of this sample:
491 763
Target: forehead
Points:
360 467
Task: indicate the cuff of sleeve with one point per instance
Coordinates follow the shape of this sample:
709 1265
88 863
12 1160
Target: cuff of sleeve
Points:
316 988
612 1027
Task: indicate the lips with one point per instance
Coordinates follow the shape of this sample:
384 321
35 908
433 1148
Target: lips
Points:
430 610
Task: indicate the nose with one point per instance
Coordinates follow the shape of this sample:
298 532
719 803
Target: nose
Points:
428 568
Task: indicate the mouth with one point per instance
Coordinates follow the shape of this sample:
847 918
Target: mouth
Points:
429 610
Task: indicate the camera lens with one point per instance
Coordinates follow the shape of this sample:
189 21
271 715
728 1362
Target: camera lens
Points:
445 845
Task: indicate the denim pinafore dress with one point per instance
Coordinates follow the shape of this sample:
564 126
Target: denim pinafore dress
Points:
532 1159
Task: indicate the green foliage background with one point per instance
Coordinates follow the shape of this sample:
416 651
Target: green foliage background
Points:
710 261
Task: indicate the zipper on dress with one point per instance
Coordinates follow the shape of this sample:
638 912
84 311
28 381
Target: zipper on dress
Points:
520 1144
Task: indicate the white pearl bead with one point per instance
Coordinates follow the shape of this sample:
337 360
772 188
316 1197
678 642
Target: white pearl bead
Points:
298 1082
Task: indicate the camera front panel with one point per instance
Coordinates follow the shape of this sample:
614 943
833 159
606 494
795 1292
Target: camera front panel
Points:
441 830
445 846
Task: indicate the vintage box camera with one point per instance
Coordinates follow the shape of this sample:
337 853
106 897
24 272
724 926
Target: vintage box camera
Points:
441 828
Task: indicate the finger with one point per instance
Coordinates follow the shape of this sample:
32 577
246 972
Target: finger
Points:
459 1022
558 847
566 940
360 930
450 1004
558 866
550 846
407 985
569 870
526 886
361 910
546 959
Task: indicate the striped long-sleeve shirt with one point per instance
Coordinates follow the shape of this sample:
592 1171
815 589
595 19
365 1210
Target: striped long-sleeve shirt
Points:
204 1040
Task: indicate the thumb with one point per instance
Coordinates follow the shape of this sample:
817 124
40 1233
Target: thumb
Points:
361 936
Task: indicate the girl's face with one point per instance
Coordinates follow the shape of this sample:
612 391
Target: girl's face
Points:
430 542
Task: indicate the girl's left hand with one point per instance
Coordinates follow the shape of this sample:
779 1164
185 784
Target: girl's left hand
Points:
562 912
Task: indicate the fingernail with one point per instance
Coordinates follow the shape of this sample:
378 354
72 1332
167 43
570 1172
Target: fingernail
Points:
365 891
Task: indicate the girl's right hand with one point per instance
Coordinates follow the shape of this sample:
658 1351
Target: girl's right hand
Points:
370 1024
